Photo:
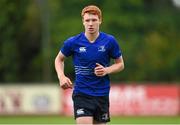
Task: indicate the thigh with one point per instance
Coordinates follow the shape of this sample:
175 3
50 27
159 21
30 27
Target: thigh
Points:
99 123
84 120
102 110
83 106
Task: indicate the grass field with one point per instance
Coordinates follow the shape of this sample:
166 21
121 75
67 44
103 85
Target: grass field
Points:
69 120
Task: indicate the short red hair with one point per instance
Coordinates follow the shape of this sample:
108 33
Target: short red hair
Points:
92 9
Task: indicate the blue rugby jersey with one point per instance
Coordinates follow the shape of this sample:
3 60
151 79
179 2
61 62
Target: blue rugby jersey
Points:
85 56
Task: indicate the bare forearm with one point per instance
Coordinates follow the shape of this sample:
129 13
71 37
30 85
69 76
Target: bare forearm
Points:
117 67
64 81
59 66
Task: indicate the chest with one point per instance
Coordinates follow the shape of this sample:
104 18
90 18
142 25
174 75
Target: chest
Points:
91 51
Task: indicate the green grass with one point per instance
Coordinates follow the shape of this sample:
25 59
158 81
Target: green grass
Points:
70 120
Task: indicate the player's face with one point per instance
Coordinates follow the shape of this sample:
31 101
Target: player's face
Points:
91 23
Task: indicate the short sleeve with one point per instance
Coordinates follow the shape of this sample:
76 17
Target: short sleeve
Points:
66 49
115 51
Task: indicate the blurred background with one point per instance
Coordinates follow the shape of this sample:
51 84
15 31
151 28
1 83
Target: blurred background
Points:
32 32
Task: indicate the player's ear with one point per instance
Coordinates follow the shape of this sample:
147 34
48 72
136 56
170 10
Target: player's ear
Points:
100 21
83 21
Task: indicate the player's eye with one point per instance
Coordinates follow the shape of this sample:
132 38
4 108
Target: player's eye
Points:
87 20
94 20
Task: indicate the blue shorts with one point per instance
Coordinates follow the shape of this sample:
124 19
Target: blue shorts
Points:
95 106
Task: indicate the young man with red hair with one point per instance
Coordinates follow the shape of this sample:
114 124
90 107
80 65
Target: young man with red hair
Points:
91 51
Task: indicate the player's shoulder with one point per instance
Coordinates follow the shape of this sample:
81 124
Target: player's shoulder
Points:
107 36
110 39
74 38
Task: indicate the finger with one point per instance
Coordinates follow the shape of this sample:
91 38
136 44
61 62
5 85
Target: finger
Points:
68 84
70 87
97 64
99 70
99 75
64 86
69 81
61 85
99 67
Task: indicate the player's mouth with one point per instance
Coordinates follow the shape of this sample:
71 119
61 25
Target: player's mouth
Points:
90 29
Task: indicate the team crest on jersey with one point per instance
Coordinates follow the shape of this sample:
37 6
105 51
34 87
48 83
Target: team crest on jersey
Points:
82 49
101 49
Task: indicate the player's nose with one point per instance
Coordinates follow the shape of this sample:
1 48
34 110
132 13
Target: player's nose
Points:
90 22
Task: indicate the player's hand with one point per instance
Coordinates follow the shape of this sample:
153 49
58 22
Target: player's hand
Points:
100 70
65 82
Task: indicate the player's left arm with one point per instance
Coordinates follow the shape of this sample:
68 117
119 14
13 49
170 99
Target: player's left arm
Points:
116 67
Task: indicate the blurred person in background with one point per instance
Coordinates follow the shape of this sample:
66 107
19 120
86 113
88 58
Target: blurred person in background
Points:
91 51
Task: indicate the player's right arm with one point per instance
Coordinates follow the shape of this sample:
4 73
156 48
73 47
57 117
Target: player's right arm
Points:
64 81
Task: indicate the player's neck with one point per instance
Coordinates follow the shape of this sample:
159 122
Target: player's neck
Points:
92 37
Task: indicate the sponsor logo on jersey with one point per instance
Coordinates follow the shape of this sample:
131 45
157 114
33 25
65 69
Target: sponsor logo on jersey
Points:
82 49
101 49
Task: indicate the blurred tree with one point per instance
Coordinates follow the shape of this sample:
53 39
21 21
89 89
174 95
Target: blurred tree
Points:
46 46
32 32
12 14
